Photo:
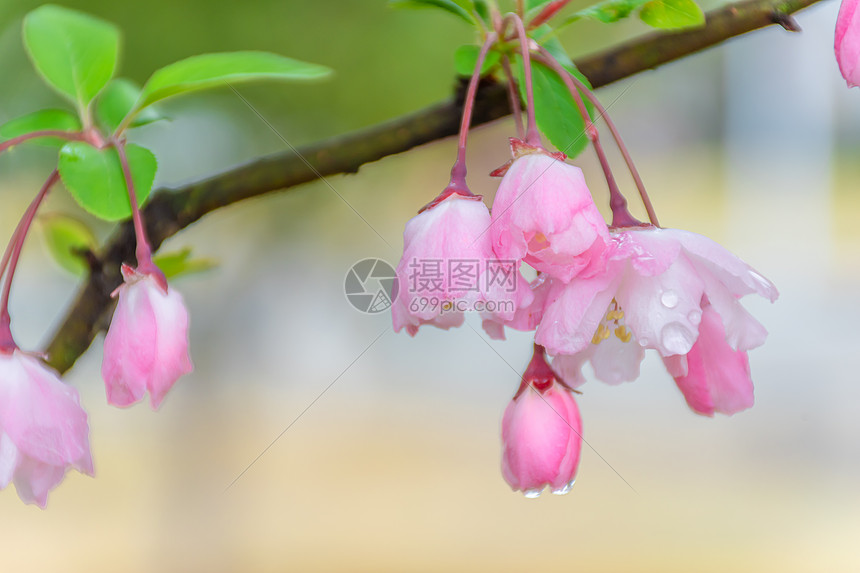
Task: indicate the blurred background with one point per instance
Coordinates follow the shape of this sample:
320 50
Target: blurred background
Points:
381 452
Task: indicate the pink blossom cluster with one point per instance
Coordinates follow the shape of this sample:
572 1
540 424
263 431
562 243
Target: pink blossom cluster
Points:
43 428
604 294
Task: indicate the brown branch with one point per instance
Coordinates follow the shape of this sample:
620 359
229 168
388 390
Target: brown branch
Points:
170 210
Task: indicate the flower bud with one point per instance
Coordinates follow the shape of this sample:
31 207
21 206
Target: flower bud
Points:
541 433
543 213
146 347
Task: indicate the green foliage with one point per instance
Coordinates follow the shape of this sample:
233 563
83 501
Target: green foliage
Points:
117 100
77 54
212 70
672 14
66 239
45 119
95 179
483 10
609 11
74 52
556 113
179 263
542 35
461 8
667 14
466 57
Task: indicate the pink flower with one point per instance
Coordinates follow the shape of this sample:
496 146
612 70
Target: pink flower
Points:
541 433
527 316
651 293
713 376
146 347
448 267
43 429
543 213
847 41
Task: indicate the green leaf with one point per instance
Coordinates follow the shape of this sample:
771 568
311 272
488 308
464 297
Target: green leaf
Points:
212 70
466 57
672 14
552 45
179 263
456 8
44 119
74 52
117 100
94 177
66 238
483 10
557 115
607 11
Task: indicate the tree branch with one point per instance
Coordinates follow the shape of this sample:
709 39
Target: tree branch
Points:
170 210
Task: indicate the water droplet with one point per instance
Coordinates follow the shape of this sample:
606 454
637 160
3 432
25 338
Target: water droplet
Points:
533 493
643 342
695 317
669 299
565 488
676 338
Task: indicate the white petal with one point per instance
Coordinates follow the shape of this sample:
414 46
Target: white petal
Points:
615 361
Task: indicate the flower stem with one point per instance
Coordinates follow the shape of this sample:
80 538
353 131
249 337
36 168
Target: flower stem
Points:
11 257
532 134
143 252
548 12
621 216
616 135
538 373
67 135
458 172
513 96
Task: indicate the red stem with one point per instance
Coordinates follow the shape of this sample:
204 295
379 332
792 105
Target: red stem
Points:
548 12
16 243
513 96
621 216
532 134
458 172
143 251
628 159
8 251
67 135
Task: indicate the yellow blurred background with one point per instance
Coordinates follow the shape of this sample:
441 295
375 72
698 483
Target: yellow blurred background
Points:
381 452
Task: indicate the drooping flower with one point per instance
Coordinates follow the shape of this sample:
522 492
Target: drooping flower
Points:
543 213
448 267
713 376
146 347
541 433
847 41
43 429
655 284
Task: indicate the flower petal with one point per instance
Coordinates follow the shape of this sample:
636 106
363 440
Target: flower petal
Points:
574 310
663 310
615 361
